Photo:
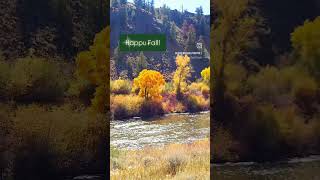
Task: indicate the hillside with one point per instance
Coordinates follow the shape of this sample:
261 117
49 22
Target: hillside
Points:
183 31
53 28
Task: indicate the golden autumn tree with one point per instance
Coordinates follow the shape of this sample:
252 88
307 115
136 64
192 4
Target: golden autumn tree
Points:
93 66
149 83
306 42
182 74
205 74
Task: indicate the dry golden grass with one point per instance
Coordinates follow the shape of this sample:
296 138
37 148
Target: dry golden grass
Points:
174 162
125 106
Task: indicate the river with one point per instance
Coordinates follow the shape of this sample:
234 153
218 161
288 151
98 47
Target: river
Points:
172 128
185 128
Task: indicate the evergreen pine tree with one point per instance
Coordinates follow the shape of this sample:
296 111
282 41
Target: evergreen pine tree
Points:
152 6
141 62
138 3
123 2
114 3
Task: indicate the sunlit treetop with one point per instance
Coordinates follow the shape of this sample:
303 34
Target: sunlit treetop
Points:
205 74
149 83
182 61
182 73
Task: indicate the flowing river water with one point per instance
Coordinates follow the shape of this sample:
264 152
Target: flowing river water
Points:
172 128
185 128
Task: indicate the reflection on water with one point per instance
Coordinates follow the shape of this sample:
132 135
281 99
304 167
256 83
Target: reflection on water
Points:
173 128
295 169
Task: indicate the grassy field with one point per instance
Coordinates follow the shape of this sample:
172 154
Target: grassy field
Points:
175 161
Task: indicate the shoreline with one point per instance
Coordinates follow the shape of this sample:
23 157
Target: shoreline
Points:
160 116
289 160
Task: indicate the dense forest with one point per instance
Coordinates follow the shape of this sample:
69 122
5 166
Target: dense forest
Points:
265 79
53 28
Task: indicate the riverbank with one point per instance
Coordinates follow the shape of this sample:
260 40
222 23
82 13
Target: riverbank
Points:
228 148
134 118
174 161
51 141
179 128
130 106
296 169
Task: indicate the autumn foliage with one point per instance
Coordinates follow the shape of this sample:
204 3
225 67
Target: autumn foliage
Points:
205 74
306 42
152 96
182 74
93 66
149 83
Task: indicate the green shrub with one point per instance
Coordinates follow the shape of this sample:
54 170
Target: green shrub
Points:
168 88
36 79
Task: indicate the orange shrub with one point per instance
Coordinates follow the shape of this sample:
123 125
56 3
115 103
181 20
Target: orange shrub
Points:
125 106
199 88
170 104
120 86
196 103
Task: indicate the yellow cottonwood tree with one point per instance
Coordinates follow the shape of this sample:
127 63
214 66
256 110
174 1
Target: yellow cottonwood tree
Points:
93 65
150 84
205 74
182 74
